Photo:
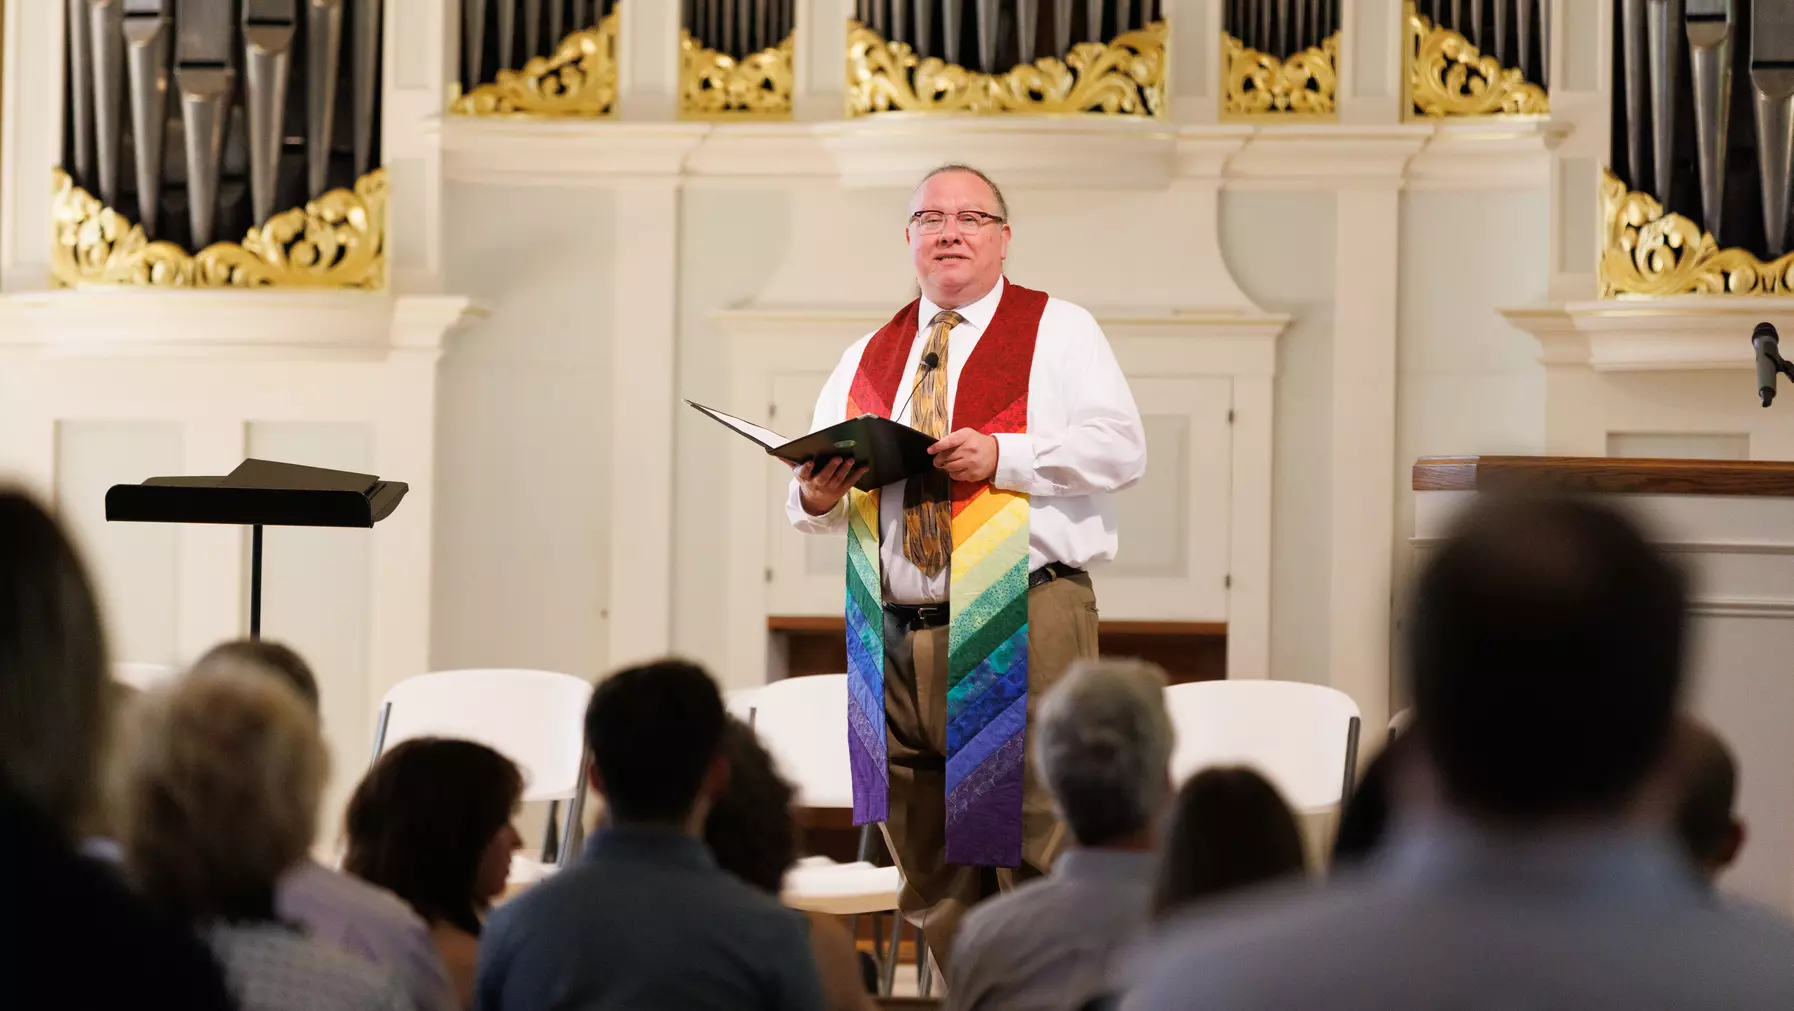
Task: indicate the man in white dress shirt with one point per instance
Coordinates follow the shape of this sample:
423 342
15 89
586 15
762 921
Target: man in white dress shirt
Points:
1036 430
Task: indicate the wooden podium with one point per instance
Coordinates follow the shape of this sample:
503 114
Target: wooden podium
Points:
1732 524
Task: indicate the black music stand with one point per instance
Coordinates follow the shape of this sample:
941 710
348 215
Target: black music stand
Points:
259 493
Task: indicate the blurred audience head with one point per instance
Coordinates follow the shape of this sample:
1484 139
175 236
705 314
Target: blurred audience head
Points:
219 779
1230 829
655 732
750 830
431 822
1102 744
53 669
1706 814
266 657
1545 655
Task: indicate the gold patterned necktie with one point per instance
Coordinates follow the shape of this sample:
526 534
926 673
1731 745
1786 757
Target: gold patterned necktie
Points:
927 498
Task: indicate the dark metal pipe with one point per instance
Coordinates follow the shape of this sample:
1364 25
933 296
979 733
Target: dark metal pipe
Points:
1664 27
987 35
106 22
366 73
81 87
148 32
1710 59
1632 25
1772 77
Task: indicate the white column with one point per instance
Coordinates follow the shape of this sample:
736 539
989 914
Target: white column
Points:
1364 465
1370 61
30 140
648 60
419 64
1249 563
642 407
1582 100
820 52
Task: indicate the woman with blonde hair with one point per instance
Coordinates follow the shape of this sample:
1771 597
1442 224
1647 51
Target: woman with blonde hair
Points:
220 776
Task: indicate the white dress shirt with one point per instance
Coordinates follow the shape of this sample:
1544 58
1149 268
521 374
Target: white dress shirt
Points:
1084 441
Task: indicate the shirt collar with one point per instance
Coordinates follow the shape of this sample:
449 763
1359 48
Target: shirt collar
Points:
1104 865
652 843
1609 861
977 315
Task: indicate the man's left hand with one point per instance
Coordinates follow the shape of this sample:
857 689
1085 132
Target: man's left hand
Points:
966 455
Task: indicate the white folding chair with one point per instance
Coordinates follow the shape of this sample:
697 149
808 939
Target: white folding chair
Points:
802 722
143 676
1302 737
535 718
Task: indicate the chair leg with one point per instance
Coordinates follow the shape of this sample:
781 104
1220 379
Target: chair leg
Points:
889 983
924 970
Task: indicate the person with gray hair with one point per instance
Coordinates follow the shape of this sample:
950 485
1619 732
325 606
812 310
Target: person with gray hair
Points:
1103 749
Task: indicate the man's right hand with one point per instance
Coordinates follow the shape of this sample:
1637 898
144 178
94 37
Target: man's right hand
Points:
821 489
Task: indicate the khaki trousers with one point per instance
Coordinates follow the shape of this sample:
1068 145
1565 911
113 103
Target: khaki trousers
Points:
1062 623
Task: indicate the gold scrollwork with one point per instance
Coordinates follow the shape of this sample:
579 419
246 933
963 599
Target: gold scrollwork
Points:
579 80
1649 254
1124 77
334 241
1447 76
715 85
1259 84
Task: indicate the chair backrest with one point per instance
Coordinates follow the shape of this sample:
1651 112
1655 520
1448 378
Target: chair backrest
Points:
535 718
740 703
802 721
1302 737
142 676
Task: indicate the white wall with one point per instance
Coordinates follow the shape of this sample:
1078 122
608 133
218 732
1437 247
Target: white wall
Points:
1468 382
1279 246
524 431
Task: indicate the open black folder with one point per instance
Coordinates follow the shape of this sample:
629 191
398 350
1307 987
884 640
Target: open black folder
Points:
893 452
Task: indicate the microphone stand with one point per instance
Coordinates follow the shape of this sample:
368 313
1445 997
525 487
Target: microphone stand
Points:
1783 366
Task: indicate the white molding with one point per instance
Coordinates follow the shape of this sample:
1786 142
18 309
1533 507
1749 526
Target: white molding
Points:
284 325
1691 332
1050 152
1488 154
1741 607
1303 157
538 153
1070 151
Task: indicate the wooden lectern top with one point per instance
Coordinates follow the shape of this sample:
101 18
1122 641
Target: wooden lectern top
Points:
1600 475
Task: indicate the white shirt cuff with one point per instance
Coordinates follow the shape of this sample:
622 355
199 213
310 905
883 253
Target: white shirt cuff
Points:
1015 461
827 523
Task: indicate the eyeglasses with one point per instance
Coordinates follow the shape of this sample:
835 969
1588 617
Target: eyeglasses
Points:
931 222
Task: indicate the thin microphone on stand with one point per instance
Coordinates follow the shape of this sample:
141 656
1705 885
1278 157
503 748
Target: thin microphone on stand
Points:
1769 360
930 362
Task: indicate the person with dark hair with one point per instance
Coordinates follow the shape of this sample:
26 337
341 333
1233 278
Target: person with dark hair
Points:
1230 830
431 822
360 918
753 836
646 919
1104 752
1533 863
82 939
1707 821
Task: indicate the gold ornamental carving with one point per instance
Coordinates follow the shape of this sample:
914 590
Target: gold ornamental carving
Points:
579 80
335 241
1649 253
1123 77
1447 76
714 85
1258 84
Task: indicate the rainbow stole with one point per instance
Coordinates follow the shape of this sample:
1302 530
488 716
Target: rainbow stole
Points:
987 634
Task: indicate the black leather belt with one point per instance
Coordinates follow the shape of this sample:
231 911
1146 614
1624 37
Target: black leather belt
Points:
914 617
